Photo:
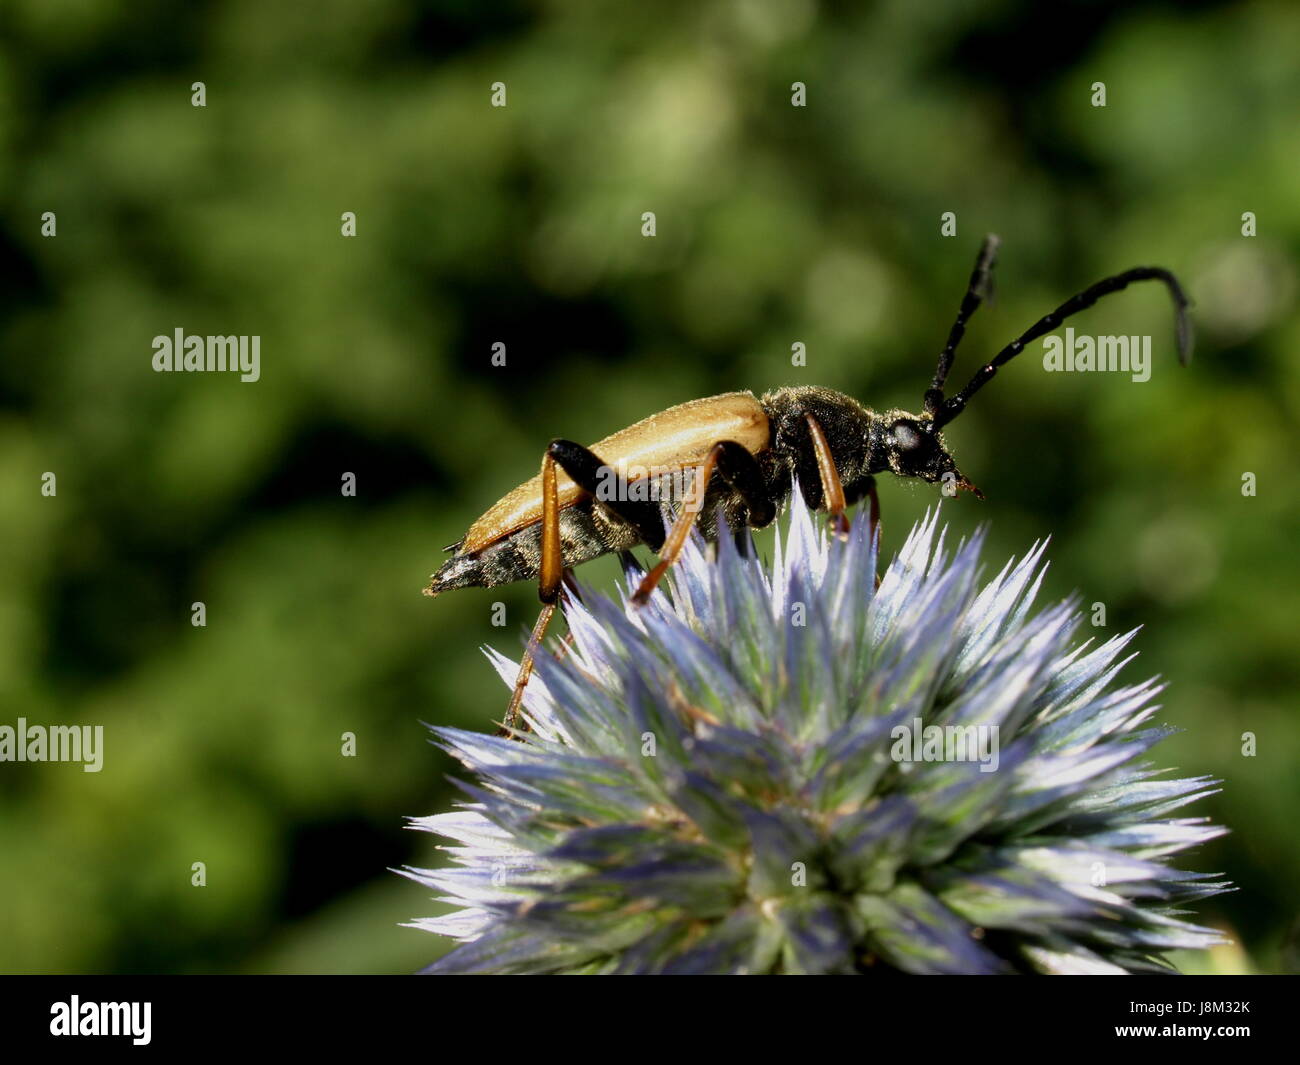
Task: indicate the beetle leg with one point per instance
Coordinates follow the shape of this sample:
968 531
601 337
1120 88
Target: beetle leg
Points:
873 520
571 586
741 470
873 508
591 474
551 570
832 489
550 576
631 566
744 541
508 727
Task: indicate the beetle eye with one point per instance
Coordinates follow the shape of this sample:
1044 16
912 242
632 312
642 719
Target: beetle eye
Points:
905 437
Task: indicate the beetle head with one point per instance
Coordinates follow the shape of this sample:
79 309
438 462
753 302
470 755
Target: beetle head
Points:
910 445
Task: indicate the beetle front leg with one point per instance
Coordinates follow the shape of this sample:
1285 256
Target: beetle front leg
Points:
832 488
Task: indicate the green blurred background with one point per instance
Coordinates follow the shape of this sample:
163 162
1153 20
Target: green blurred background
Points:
522 225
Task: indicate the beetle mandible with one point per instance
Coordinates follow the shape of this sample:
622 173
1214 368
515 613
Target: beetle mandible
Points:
587 502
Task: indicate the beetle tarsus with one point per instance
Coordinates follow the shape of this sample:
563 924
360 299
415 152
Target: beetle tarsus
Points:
508 727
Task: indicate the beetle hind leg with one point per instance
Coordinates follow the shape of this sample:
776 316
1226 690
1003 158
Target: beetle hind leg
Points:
550 575
610 489
510 725
591 474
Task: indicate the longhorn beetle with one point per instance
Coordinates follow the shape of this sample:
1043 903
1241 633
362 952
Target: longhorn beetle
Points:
607 497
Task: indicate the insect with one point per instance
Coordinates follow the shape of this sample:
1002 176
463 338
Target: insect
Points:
742 454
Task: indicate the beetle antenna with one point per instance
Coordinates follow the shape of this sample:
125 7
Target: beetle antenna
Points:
979 289
950 408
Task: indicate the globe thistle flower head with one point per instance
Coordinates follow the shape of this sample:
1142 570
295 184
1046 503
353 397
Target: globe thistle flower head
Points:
786 769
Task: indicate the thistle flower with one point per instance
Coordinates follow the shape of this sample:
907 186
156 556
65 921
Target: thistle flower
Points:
790 770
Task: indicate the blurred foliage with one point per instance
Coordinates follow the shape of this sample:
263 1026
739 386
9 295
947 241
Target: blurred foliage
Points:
522 225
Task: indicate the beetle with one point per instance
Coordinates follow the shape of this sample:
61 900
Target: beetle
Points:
590 501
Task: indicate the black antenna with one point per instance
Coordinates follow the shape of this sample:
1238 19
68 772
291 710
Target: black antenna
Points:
979 289
945 410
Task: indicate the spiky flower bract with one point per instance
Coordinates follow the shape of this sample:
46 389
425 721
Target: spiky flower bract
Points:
722 781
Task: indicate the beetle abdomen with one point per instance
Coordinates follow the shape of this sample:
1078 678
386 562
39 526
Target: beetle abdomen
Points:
586 532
